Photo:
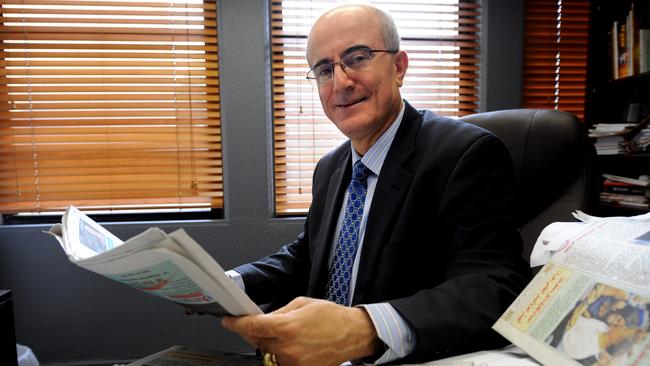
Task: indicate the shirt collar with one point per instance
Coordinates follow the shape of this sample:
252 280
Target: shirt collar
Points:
375 156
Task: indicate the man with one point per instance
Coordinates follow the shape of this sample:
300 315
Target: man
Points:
415 249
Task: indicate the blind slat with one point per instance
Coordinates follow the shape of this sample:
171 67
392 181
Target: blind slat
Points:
109 105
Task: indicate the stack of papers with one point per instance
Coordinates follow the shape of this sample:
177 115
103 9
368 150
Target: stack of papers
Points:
609 137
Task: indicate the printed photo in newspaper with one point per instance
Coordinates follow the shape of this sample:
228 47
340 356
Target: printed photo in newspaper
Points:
604 326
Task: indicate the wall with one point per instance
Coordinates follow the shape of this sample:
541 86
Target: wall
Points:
69 315
501 54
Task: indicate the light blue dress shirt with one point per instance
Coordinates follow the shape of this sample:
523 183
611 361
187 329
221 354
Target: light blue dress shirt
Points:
391 328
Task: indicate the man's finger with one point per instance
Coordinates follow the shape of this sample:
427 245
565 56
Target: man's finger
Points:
296 303
252 326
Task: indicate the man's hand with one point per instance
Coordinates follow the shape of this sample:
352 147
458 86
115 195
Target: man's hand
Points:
309 332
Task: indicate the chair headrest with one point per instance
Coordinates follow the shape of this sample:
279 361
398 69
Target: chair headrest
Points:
549 149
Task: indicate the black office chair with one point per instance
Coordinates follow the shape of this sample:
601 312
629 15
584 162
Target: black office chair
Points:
555 162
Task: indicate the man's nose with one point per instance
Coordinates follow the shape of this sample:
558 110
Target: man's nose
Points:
340 78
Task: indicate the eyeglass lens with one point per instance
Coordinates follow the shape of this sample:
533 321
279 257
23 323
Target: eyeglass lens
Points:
354 60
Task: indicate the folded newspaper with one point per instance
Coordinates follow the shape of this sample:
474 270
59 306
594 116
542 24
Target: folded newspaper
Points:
590 303
171 266
186 356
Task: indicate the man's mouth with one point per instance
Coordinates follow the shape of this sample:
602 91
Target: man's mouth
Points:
351 103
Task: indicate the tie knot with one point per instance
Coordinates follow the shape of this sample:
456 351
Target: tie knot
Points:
360 172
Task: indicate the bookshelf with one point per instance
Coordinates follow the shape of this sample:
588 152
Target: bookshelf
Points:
616 92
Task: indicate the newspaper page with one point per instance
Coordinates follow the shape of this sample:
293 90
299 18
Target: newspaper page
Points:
590 304
186 356
170 266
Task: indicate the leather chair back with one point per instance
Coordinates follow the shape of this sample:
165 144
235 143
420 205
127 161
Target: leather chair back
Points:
555 163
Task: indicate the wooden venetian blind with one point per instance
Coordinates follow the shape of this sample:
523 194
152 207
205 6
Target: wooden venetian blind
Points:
109 105
555 54
442 40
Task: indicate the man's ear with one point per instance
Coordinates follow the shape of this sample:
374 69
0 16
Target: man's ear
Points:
401 64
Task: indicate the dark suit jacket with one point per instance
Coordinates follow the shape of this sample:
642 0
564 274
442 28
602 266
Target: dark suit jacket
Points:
441 242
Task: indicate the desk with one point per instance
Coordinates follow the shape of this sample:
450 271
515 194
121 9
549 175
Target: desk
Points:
179 355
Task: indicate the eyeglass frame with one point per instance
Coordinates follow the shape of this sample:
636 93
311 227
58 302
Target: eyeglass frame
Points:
342 64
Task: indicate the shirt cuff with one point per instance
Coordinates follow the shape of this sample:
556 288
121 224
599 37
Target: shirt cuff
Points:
237 279
391 329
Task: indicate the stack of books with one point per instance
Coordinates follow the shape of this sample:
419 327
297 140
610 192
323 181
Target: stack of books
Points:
610 137
625 191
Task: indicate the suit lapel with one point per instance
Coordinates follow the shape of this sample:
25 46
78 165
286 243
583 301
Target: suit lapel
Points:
392 186
323 242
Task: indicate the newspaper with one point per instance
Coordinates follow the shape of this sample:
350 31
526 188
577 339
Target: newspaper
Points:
186 356
170 266
590 303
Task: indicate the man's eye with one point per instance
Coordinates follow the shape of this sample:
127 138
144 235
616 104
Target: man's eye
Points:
355 59
323 71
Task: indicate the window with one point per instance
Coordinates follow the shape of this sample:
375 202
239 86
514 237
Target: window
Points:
109 105
442 40
555 54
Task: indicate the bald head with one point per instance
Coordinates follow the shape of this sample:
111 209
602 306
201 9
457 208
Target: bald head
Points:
383 23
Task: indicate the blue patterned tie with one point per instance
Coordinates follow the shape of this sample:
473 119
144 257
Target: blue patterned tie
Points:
338 284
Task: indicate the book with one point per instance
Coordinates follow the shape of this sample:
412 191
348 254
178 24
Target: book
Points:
622 50
644 50
632 43
170 266
610 145
629 27
590 302
188 356
612 186
642 181
625 200
614 49
610 129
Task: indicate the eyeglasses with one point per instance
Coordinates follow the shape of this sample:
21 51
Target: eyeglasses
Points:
355 60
